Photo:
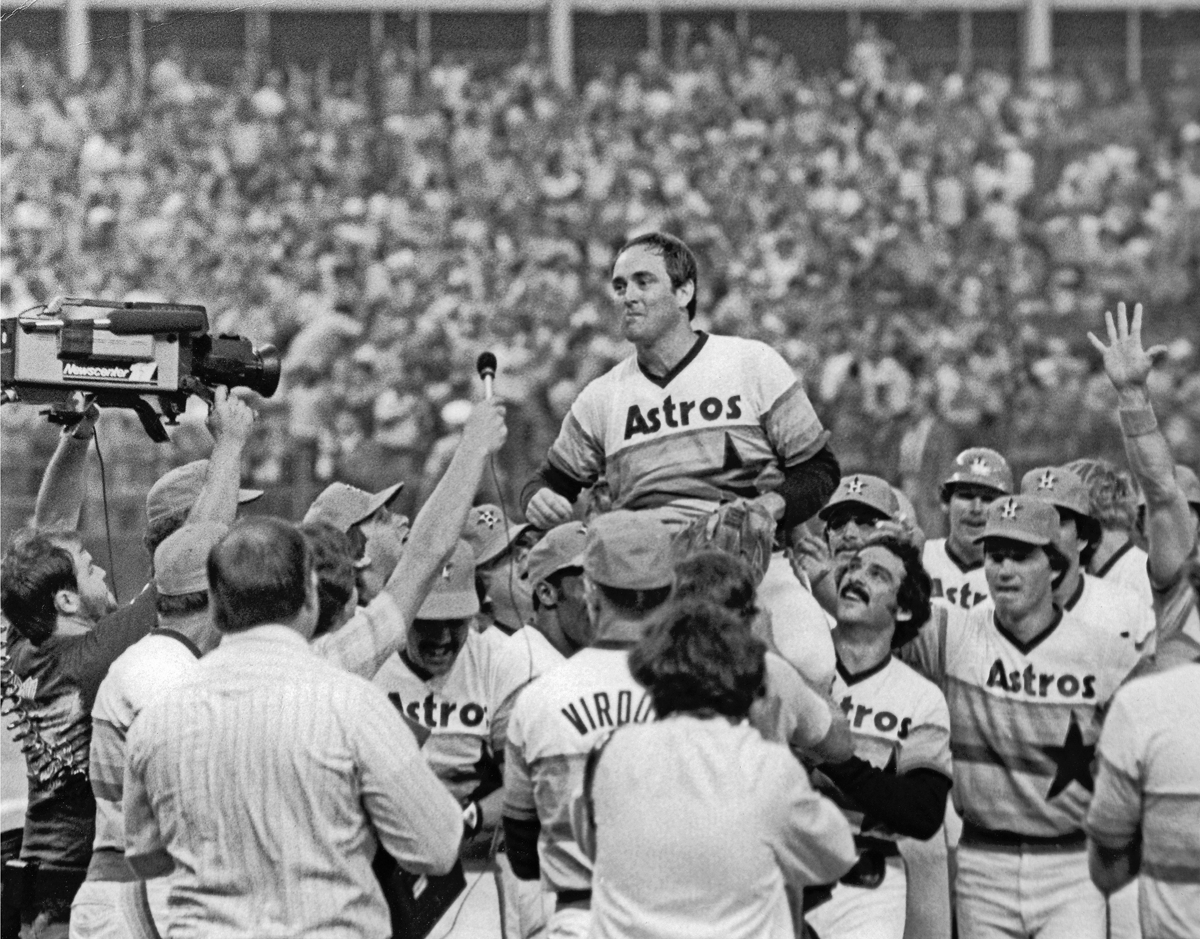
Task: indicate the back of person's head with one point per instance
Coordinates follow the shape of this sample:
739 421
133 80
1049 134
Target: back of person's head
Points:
1112 497
333 559
181 569
700 657
677 257
36 566
719 577
259 573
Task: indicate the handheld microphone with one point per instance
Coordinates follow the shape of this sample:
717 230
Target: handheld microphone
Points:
485 365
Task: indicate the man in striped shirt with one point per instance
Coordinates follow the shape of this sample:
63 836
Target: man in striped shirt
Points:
267 778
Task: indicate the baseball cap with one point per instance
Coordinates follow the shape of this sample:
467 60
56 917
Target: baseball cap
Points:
862 489
344 506
487 534
628 551
181 561
176 491
453 595
979 466
1060 487
1021 518
560 548
1188 482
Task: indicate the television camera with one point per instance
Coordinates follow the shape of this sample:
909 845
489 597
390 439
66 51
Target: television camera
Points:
148 357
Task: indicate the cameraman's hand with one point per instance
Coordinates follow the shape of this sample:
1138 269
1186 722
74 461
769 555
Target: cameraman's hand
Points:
485 429
230 418
84 428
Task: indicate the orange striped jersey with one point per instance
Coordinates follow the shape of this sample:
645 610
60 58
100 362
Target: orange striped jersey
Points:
1024 716
955 584
555 724
1148 788
465 710
1097 599
899 722
1177 609
731 408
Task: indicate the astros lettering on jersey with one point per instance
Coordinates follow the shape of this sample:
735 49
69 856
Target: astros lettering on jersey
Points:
466 710
955 584
1024 718
730 409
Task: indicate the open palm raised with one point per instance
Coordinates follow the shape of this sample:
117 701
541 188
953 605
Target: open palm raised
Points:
1125 361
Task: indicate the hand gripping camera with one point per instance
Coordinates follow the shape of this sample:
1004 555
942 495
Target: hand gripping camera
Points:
148 357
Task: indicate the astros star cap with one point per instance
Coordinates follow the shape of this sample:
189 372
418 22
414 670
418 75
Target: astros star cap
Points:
979 466
1060 487
487 534
862 489
629 551
1027 519
453 595
344 506
181 561
560 549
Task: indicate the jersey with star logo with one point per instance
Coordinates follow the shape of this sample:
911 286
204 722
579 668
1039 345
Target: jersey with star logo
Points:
1024 716
899 722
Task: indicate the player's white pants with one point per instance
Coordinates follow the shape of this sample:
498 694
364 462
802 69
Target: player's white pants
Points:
859 913
570 923
525 906
109 909
1124 918
927 866
1015 893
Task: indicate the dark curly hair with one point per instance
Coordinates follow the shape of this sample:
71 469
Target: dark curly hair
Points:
678 258
700 656
719 577
35 568
333 555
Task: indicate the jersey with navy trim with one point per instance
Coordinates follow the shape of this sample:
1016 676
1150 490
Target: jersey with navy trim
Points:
555 724
466 710
734 408
954 584
1024 717
899 722
1128 568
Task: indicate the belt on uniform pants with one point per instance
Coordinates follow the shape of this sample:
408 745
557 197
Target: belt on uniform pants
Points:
580 898
976 836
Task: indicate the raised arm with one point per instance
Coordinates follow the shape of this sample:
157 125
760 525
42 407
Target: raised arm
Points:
440 522
64 484
229 422
1170 527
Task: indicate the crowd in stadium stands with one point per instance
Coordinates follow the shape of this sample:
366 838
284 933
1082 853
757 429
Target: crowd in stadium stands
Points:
928 253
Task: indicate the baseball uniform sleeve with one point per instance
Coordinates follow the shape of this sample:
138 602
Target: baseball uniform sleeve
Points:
145 846
812 839
418 822
927 745
579 449
1114 815
791 424
790 712
371 636
927 652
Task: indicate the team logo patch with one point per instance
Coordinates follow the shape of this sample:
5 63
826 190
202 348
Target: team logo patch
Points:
488 518
1047 480
855 486
981 467
1010 509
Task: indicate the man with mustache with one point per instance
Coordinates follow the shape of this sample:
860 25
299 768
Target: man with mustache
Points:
897 781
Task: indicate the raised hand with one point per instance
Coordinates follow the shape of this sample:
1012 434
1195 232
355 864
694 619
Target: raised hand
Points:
230 418
485 428
1126 362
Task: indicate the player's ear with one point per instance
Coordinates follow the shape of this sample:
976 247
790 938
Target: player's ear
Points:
66 602
546 594
684 293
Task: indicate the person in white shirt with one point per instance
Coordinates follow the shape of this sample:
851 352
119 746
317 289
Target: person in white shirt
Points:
698 827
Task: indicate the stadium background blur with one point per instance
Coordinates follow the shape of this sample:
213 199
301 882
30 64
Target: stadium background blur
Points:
921 222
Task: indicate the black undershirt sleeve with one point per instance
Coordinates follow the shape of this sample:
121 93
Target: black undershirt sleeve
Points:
554 479
911 804
807 486
520 839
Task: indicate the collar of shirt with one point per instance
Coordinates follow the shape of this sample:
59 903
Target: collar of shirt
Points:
268 632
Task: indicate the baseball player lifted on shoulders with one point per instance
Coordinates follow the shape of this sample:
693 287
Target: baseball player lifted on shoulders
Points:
1026 685
955 563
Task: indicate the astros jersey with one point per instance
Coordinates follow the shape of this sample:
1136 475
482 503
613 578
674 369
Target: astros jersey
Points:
729 409
465 710
1127 568
554 726
1177 609
900 723
1119 609
954 584
1024 717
